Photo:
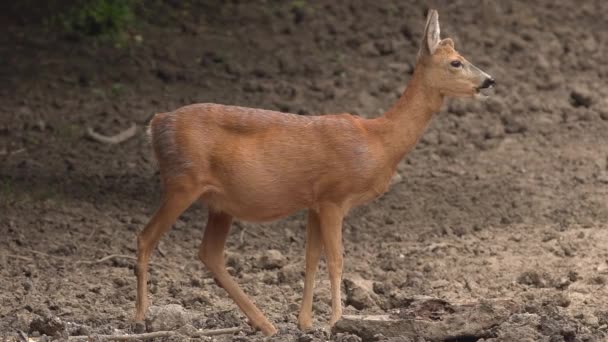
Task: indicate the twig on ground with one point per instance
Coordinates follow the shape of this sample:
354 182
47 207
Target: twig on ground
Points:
84 262
147 336
20 257
47 255
21 150
215 332
114 256
106 258
113 139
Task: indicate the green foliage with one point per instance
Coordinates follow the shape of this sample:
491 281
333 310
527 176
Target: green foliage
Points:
105 19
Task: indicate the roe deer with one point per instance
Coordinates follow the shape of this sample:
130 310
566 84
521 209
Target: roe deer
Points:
260 165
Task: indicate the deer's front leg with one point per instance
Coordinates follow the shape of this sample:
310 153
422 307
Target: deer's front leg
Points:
314 246
331 232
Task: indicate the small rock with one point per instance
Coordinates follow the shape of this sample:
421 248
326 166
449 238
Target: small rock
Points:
535 279
270 278
305 338
516 238
291 273
272 259
359 292
581 97
591 320
342 337
50 325
604 114
514 125
431 319
188 330
167 317
496 130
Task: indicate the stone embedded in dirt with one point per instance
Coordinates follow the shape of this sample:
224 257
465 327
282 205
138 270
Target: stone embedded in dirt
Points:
272 259
50 325
513 124
167 317
535 279
235 261
359 292
494 131
432 319
291 273
519 327
342 337
581 97
602 108
188 330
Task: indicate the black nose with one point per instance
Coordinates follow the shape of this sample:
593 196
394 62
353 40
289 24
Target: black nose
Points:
488 83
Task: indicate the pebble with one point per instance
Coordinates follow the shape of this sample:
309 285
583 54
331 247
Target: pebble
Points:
359 292
272 259
581 97
167 317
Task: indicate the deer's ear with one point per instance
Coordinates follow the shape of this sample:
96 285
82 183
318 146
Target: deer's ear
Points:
430 39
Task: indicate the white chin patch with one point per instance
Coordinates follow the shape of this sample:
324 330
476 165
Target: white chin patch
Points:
483 94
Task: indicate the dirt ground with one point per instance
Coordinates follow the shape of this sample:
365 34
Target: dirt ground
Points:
501 199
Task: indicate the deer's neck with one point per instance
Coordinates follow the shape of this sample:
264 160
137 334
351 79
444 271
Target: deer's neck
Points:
405 122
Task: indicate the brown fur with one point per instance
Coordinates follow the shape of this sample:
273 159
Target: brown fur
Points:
261 165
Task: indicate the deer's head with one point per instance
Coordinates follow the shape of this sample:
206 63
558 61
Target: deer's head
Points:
444 69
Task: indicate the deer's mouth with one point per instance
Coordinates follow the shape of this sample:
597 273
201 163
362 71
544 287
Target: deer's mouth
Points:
483 93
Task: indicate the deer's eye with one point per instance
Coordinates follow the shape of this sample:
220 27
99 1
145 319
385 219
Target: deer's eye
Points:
456 64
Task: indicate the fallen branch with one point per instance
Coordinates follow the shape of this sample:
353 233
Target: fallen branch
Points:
106 258
215 332
147 336
113 139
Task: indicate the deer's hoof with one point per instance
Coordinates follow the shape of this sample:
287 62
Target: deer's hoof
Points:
138 327
268 329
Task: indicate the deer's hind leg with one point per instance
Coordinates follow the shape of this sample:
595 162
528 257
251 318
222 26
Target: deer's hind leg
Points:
176 199
211 253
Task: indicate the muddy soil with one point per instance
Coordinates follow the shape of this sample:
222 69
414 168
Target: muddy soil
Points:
504 199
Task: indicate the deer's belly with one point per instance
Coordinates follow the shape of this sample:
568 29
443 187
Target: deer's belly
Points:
257 206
